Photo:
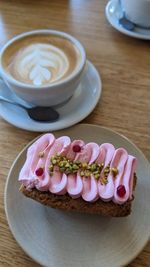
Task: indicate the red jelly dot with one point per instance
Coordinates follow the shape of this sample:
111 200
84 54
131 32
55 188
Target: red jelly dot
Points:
121 191
76 148
39 172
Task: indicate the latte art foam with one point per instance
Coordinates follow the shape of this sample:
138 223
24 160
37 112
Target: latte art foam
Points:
40 63
41 59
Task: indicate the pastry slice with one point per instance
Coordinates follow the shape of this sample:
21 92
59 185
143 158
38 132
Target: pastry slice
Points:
76 176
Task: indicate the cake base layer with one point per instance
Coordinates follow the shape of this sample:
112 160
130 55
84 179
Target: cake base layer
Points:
65 202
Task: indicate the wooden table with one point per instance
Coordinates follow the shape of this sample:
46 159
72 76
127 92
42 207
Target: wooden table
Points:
123 63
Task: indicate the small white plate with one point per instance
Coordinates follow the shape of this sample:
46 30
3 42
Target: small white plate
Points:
76 109
113 14
55 238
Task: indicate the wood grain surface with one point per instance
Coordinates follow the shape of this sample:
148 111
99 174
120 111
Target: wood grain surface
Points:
123 63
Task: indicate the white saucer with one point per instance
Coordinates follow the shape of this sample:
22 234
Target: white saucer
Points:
76 109
55 238
113 13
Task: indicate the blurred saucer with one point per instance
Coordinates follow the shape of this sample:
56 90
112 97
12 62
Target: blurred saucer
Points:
76 109
113 13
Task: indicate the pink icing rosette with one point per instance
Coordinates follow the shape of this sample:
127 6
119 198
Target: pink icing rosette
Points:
33 161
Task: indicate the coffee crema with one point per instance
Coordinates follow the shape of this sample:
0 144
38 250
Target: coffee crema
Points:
41 59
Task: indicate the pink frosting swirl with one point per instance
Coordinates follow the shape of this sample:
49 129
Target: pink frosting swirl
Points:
125 178
74 183
90 189
58 181
33 161
105 156
86 186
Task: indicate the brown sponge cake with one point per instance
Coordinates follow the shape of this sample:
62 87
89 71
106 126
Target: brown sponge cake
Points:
67 203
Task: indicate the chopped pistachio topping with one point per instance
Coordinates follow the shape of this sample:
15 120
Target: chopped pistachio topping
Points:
68 166
97 175
54 161
41 154
75 167
114 171
87 173
84 165
107 170
104 181
93 167
51 167
82 173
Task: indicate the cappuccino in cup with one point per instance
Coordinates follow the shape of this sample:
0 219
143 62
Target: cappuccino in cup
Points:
41 60
43 67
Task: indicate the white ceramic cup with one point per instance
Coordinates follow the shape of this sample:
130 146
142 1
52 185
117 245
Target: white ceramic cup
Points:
137 11
51 94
